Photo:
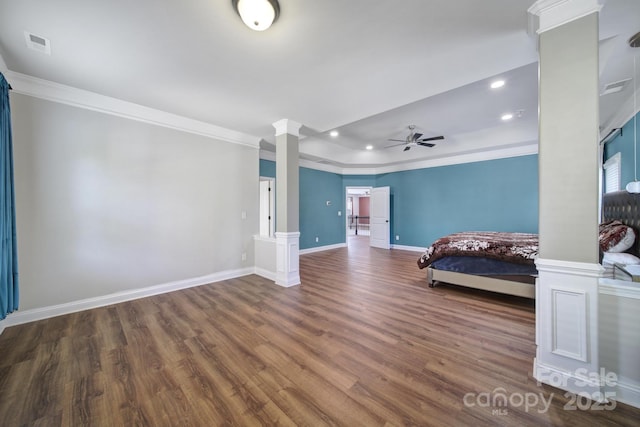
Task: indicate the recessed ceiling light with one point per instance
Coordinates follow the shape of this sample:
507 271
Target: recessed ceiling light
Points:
507 116
497 84
369 147
334 133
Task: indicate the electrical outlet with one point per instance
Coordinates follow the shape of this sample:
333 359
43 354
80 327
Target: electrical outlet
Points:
317 239
397 237
244 256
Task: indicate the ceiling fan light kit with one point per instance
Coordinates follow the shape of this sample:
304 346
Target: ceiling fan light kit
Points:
257 14
415 139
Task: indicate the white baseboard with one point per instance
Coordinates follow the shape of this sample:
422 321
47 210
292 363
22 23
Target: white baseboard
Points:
408 248
322 248
628 394
20 317
271 275
564 380
624 392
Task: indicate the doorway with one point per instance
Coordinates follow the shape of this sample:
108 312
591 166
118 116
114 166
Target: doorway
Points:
267 206
358 213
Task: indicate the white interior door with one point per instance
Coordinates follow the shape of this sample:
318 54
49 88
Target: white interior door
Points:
267 207
379 213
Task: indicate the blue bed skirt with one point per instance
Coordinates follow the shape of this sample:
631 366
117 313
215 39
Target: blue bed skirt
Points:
483 266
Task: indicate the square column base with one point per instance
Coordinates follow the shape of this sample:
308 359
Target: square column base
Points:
287 259
567 327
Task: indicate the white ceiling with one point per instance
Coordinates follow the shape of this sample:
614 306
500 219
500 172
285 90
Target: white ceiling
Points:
366 68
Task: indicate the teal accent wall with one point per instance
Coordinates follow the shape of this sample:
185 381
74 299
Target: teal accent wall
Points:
496 195
267 168
317 219
493 195
623 144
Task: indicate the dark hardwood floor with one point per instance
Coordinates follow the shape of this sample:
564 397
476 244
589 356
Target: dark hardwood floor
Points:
362 342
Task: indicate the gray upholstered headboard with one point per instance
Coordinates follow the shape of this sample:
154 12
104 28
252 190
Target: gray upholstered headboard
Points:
624 207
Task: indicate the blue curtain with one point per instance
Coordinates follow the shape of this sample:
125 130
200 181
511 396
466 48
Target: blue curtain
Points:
8 242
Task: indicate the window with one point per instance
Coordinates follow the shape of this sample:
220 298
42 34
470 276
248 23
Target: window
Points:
612 173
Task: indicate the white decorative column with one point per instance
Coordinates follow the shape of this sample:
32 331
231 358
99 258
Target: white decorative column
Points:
287 203
567 286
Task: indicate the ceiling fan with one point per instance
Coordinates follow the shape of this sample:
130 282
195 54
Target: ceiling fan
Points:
415 139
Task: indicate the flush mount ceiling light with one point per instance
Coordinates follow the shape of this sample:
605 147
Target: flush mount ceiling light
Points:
369 147
497 84
507 116
334 133
257 14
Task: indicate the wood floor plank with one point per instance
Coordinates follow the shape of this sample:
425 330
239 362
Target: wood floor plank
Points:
363 341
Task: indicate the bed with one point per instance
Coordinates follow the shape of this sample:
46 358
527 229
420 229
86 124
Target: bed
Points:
462 258
492 261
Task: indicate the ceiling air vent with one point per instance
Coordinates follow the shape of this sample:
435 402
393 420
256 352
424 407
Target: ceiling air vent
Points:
37 43
615 87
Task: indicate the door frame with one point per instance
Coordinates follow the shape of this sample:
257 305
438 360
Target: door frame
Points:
270 209
357 188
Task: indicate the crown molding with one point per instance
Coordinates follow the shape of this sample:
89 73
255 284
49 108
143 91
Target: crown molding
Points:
287 126
480 156
456 159
51 91
309 164
545 15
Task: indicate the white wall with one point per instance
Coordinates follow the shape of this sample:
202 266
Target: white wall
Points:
106 204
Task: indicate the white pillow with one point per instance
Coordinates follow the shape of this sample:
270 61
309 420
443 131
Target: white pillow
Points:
619 258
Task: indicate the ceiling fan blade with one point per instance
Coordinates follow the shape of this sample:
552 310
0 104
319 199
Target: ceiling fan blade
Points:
433 138
403 140
396 145
425 144
407 148
416 136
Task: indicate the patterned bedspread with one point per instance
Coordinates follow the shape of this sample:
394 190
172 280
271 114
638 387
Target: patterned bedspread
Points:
521 248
